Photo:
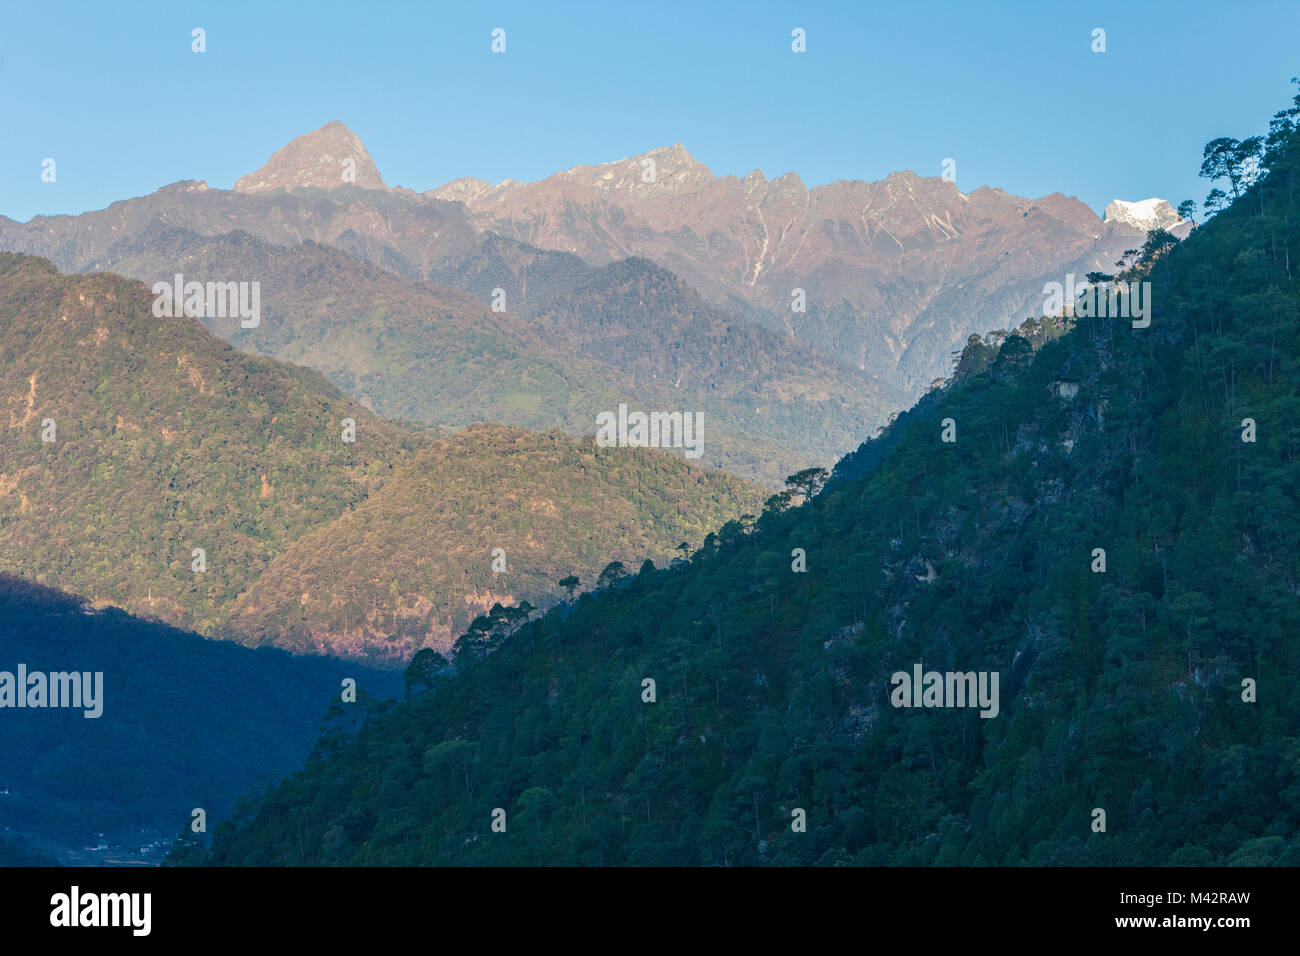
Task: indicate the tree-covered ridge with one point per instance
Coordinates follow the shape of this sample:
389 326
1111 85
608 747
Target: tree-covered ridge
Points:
1163 690
415 562
166 440
409 350
629 332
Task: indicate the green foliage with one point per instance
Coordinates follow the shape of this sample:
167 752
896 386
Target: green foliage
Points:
186 850
170 440
426 664
412 564
807 483
612 574
167 440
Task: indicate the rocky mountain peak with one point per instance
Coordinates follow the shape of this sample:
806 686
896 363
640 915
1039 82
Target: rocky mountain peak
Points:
329 157
676 158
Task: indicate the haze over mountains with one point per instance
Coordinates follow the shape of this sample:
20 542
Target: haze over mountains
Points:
647 280
628 332
663 287
314 528
772 405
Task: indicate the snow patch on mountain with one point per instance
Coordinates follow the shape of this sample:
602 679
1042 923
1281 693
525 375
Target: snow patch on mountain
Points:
1146 214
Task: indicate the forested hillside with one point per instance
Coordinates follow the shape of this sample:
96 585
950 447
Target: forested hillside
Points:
630 332
1112 528
491 514
130 440
147 464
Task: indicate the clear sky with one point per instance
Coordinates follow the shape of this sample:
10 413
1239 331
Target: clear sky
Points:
1012 91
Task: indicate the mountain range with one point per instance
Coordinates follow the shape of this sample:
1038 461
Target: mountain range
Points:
896 273
595 286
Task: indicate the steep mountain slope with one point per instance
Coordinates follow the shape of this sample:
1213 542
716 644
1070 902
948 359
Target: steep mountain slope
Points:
1097 534
330 156
166 440
404 348
209 720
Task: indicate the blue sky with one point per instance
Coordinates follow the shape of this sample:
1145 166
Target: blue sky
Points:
1011 91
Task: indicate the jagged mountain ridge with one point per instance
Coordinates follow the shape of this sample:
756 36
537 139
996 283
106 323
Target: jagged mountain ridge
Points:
897 273
879 261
